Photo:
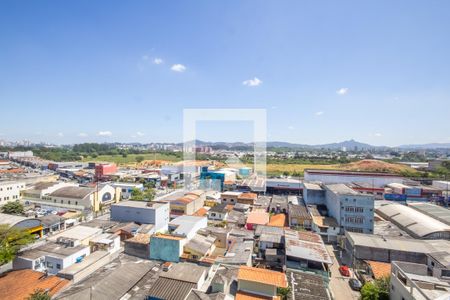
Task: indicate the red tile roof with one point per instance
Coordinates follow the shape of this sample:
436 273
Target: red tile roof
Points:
18 285
277 279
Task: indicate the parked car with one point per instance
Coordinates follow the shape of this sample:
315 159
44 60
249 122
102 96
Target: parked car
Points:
344 270
355 284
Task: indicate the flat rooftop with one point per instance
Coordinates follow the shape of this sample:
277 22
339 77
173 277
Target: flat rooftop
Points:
140 204
341 189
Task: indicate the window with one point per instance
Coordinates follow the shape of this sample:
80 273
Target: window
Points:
76 202
49 265
68 202
58 266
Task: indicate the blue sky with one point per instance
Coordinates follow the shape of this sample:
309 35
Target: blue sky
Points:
326 71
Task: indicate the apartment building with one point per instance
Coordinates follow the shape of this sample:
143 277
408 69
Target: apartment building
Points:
10 191
352 210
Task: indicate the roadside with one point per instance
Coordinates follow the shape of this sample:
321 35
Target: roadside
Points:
339 285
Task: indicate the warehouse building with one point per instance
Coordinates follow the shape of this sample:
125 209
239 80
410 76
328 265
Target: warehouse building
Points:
437 212
386 249
414 222
349 177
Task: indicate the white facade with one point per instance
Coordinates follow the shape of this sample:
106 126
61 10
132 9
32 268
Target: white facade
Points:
346 177
10 191
127 188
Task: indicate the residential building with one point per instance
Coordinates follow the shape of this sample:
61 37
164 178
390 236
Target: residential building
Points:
51 257
411 281
256 217
187 226
10 191
126 188
305 285
178 282
230 197
306 251
138 245
247 198
188 204
218 212
77 235
153 212
166 247
279 204
259 282
353 211
439 264
299 216
199 246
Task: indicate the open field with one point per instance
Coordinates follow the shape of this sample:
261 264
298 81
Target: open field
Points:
366 165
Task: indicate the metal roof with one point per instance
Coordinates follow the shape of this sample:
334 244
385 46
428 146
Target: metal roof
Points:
397 244
341 189
411 220
76 192
438 212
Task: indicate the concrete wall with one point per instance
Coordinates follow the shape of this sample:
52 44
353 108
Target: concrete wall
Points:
165 249
257 288
10 191
137 249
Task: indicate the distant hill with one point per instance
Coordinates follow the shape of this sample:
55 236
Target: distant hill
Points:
349 145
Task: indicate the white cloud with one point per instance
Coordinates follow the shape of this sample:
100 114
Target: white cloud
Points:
252 82
342 91
178 68
158 61
377 134
145 57
291 127
319 113
60 134
82 134
104 133
140 133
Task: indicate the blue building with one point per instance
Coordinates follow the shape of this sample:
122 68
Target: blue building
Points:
166 247
353 211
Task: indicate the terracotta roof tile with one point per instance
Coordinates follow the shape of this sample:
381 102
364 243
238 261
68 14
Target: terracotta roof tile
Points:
18 285
263 276
379 269
278 220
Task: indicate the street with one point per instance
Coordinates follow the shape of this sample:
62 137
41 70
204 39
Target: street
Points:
339 284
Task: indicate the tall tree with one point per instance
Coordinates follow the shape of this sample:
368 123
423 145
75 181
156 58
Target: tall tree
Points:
11 239
15 208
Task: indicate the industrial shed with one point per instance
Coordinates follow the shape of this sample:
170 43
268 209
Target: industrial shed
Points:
414 222
386 249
